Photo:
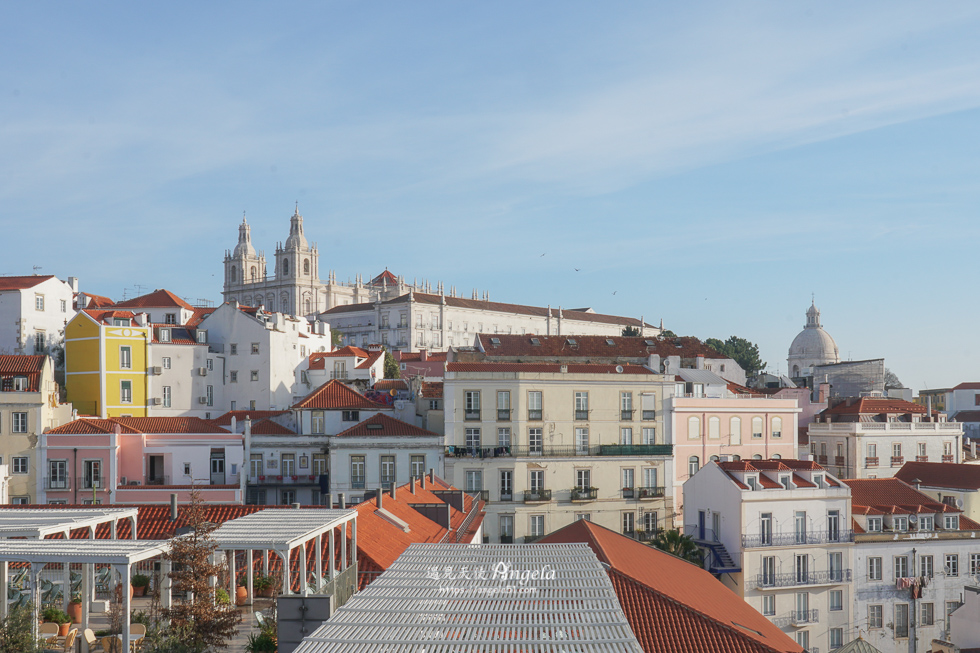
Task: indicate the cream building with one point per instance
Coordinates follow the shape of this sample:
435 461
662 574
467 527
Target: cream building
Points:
779 534
549 443
29 404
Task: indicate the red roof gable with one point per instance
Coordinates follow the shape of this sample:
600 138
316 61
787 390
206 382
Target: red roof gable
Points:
941 475
98 301
268 427
385 277
239 415
156 299
23 283
148 425
390 384
334 395
671 605
553 368
892 495
29 366
970 385
382 425
874 406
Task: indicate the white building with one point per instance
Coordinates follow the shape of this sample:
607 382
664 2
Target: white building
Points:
33 312
348 364
872 437
914 560
812 346
778 532
549 443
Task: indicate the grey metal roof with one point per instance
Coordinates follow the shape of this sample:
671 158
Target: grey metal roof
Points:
40 522
278 529
700 376
437 598
81 551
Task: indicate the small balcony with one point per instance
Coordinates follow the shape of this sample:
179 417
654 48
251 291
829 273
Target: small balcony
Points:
483 495
283 479
471 415
646 535
839 461
537 496
57 483
530 539
948 458
357 482
626 416
158 480
339 374
506 495
534 415
803 617
581 414
821 460
797 579
898 461
503 414
649 493
629 493
922 459
649 415
583 494
871 461
506 539
635 449
793 538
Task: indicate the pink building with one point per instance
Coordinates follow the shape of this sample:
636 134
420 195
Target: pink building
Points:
140 460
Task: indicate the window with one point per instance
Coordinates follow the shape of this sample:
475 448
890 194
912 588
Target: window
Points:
581 405
350 416
164 335
91 474
765 529
693 427
836 638
874 524
433 403
64 306
837 600
900 524
693 465
735 424
802 568
901 620
901 567
756 427
650 477
536 525
503 405
255 465
233 349
803 639
649 435
506 485
254 375
753 482
833 525
285 267
768 571
165 362
19 384
648 404
581 441
187 469
897 451
19 421
925 566
255 348
922 449
626 406
947 448
120 321
769 605
209 395
357 472
125 358
471 400
650 521
388 469
536 480
166 396
799 524
233 376
975 564
473 438
714 427
38 302
874 616
777 427
534 410
287 464
952 564
583 479
874 568
125 392
506 529
288 497
872 451
57 475
19 464
417 462
626 435
503 437
316 422
927 615
629 522
534 444
927 523
202 337
836 567
583 516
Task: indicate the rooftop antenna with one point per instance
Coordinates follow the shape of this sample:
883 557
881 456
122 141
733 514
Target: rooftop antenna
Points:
36 268
139 288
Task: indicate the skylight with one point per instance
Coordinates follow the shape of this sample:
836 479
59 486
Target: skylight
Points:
610 342
650 343
535 342
375 427
572 342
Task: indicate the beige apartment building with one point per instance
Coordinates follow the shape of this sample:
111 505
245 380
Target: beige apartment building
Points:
550 443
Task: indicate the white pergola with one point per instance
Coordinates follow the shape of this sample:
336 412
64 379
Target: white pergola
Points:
38 523
279 531
462 598
120 554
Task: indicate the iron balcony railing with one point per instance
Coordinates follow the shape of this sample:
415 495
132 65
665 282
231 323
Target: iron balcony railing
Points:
794 538
626 416
534 415
581 414
649 415
158 480
898 461
871 461
357 482
483 495
646 535
793 579
506 495
947 458
471 415
57 483
506 539
537 496
636 449
503 414
584 493
336 374
528 539
799 617
650 492
559 451
629 493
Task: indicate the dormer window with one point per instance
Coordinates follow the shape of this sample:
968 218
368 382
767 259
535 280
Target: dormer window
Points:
20 383
900 524
784 481
164 335
610 342
120 321
874 524
927 523
951 522
202 336
819 480
752 482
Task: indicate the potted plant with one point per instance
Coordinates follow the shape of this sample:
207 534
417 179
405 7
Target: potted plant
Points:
59 617
263 585
241 592
221 596
139 584
264 642
75 608
261 478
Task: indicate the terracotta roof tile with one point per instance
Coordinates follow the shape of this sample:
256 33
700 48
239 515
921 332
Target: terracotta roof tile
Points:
368 362
941 475
268 427
385 278
179 335
29 366
671 605
967 416
382 425
874 406
390 384
432 390
416 356
969 385
139 425
23 282
155 299
500 345
892 495
552 368
239 415
100 315
334 395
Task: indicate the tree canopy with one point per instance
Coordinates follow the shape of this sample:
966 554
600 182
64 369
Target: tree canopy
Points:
743 352
891 380
679 545
392 370
630 331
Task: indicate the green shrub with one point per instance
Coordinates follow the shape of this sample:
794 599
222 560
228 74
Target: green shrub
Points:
139 580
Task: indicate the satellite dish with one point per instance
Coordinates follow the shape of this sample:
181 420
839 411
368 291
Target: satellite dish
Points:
393 392
619 369
959 503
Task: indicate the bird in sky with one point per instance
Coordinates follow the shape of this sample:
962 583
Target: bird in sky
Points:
542 254
576 269
615 291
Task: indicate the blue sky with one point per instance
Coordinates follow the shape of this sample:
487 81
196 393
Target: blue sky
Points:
713 164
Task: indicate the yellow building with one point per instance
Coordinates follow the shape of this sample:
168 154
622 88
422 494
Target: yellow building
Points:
105 360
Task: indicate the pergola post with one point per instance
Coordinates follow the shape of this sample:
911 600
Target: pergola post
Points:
343 549
330 556
4 581
249 575
232 576
66 579
353 546
287 585
319 561
88 572
304 583
213 580
124 571
115 535
36 568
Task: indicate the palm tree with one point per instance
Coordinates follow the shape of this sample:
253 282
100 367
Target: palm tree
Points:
679 545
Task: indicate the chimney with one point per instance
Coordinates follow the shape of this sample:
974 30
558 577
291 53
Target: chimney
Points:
973 448
297 505
234 423
381 493
173 507
342 501
928 408
699 362
432 476
394 489
329 499
73 282
916 482
423 481
412 484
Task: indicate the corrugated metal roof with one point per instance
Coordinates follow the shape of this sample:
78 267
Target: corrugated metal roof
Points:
701 376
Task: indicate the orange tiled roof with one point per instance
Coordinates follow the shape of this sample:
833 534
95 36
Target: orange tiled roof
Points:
334 395
268 427
370 360
156 299
390 384
554 368
239 415
179 335
382 425
892 495
944 475
100 315
671 605
26 365
23 282
416 357
494 344
385 277
86 426
969 385
874 406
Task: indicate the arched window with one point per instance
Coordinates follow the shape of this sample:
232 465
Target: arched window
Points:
777 427
796 370
284 302
736 427
247 300
714 459
776 456
270 303
693 465
693 427
757 456
307 307
253 274
234 274
285 267
756 427
714 427
306 266
736 457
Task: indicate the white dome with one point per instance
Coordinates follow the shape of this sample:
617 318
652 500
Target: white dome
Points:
812 346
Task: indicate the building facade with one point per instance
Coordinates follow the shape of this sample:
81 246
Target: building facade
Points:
811 347
547 444
34 311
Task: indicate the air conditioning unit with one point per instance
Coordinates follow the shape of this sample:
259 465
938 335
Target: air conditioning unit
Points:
156 371
123 480
202 371
202 400
156 401
134 482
